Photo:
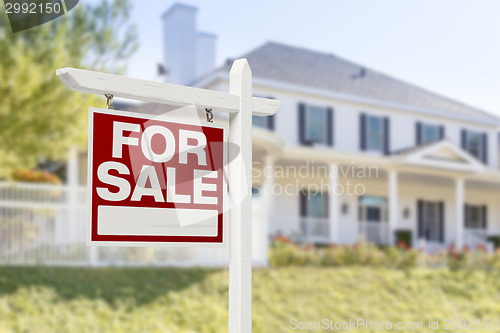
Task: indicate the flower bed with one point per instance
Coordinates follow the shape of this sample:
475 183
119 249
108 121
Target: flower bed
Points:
36 176
284 252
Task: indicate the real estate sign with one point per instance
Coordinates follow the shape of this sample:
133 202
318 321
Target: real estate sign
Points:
154 181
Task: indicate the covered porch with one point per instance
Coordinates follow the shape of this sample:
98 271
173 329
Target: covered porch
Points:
435 196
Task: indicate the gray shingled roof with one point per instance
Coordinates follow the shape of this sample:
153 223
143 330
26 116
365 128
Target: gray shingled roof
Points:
308 68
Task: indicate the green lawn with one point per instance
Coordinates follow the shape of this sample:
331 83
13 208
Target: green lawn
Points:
195 300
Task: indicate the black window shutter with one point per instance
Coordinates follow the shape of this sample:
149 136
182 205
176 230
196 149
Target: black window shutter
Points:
441 132
418 133
464 139
302 123
270 122
303 203
441 221
387 136
484 148
484 216
329 126
362 131
420 217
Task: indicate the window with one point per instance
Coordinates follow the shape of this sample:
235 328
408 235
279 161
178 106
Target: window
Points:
316 124
473 144
373 214
263 122
372 209
256 191
314 210
429 133
426 133
475 217
316 205
431 221
374 133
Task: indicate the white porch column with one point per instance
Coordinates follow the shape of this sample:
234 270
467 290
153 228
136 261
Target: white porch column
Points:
459 212
393 204
333 204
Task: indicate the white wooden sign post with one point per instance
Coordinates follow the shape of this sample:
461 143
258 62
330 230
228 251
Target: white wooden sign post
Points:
240 105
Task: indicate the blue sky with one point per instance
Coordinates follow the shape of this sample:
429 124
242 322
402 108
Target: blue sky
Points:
449 46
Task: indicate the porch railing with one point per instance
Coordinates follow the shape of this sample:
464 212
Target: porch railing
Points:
46 224
375 232
475 236
303 229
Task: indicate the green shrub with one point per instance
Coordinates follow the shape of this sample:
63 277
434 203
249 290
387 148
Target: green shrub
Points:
458 260
161 300
403 237
284 252
402 257
495 240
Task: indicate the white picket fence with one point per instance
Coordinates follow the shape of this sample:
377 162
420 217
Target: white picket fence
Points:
46 225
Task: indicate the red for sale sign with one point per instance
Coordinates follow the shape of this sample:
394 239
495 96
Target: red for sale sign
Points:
154 181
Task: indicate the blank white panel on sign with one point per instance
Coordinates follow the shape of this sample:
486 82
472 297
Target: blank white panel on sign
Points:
147 221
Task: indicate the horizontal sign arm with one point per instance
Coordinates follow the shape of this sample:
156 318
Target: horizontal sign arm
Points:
159 92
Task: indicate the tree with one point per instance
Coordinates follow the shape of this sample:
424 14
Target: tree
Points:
39 117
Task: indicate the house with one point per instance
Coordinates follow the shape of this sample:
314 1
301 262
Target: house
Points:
353 152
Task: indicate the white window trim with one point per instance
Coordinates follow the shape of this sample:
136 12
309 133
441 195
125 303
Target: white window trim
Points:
324 140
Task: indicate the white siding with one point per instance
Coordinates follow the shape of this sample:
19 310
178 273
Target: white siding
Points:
346 124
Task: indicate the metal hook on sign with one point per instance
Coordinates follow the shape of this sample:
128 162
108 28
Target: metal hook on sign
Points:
109 101
210 115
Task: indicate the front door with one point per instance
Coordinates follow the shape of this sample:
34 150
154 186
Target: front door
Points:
373 219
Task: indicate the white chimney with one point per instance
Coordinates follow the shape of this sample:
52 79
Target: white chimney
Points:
179 27
205 53
188 54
